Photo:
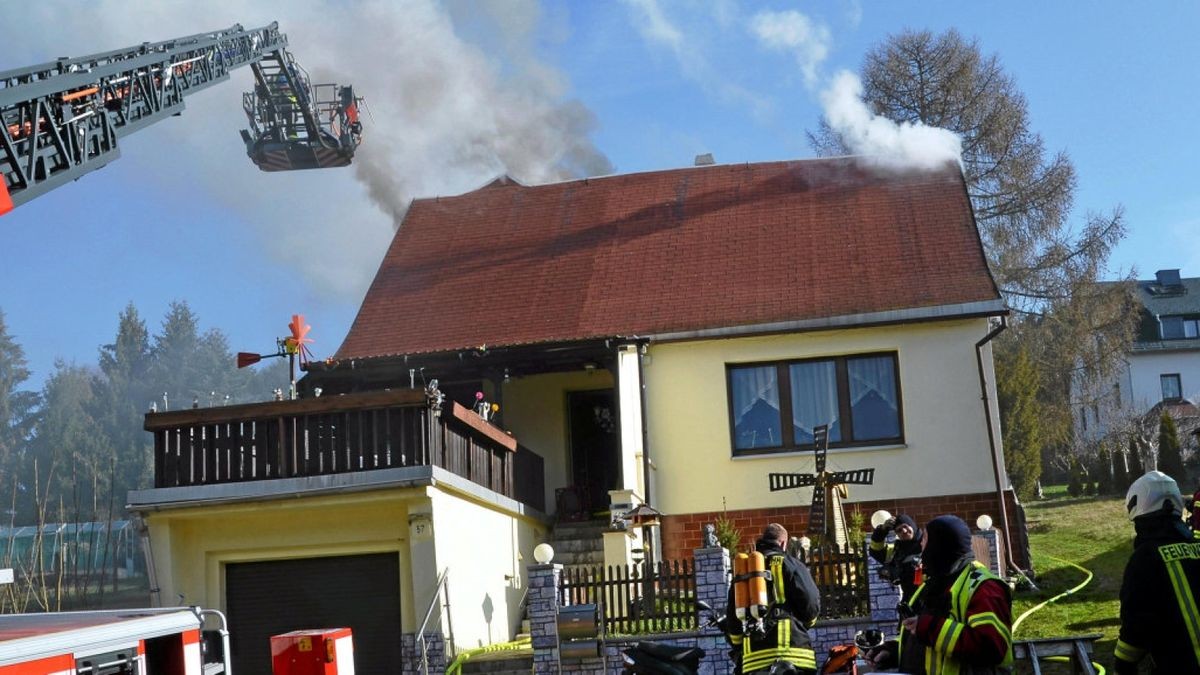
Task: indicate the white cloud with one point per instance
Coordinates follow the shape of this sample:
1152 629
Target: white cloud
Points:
794 32
899 145
652 22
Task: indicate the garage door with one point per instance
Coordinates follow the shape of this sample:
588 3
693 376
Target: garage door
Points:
361 592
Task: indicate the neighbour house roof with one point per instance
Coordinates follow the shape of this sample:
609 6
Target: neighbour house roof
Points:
668 252
1160 300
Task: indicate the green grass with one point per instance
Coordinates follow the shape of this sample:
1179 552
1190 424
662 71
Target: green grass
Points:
1094 533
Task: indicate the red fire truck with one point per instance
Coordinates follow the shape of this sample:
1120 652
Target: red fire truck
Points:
170 641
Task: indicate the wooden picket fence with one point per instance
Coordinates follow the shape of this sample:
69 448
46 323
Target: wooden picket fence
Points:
635 599
840 573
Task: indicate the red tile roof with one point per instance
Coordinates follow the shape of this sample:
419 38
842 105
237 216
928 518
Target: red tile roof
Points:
669 251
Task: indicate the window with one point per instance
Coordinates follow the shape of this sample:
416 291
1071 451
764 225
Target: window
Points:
1172 389
857 396
1180 327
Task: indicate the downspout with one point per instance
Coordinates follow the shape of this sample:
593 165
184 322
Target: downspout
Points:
641 353
987 416
148 554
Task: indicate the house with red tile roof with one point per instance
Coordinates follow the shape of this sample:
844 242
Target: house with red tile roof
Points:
533 361
674 336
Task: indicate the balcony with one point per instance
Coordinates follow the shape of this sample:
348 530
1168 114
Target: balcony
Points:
340 434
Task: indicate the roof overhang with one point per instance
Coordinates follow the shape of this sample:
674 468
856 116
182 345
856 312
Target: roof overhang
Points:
985 308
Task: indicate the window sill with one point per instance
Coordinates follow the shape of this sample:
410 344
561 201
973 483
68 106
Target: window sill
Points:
809 452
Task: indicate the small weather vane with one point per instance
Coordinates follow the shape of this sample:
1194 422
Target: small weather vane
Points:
294 346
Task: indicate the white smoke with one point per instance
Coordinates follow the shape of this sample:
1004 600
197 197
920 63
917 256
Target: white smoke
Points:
792 31
442 115
894 144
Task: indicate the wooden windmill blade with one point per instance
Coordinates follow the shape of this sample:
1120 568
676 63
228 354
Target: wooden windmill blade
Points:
788 481
821 441
818 511
853 477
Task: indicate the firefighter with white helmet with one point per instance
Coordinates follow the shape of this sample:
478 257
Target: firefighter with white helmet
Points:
1160 614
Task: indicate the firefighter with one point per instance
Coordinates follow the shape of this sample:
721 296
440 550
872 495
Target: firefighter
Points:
781 636
900 561
961 615
1159 613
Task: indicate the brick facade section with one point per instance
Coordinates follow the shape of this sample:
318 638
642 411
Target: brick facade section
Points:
682 532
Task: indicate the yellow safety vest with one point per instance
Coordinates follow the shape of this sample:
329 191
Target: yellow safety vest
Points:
939 659
760 659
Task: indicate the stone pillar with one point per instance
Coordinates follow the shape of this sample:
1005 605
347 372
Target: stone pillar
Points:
992 538
543 616
884 596
712 577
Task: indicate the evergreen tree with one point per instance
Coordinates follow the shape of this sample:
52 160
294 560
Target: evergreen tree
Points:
73 454
1016 392
123 394
18 408
1075 482
174 369
1170 461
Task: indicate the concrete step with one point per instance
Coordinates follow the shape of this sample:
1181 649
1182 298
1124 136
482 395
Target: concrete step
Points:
577 545
579 529
501 663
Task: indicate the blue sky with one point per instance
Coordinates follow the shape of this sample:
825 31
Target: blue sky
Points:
460 91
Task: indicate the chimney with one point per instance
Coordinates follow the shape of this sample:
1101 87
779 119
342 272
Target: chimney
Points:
705 160
1167 278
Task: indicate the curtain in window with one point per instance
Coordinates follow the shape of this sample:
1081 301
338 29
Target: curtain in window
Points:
757 423
873 401
814 399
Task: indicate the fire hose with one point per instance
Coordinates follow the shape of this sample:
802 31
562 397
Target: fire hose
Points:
1099 668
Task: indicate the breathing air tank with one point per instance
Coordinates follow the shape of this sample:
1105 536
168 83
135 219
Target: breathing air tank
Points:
758 585
741 585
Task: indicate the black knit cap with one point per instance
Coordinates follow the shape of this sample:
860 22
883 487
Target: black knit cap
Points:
905 519
949 540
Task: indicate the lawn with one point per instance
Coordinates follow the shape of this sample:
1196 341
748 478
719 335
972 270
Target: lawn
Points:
1094 533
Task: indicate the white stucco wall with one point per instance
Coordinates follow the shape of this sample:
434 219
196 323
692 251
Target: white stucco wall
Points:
1146 368
946 449
535 411
487 551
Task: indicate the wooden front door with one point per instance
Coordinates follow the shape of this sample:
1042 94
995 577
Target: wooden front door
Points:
595 466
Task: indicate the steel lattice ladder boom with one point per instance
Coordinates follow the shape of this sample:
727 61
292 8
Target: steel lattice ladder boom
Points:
62 119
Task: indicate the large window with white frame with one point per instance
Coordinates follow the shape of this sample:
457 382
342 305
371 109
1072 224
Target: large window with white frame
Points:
774 406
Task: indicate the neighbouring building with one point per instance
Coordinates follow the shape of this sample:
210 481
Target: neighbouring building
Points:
665 338
1160 372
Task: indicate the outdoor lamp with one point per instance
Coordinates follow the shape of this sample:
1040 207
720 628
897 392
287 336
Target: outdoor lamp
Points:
879 517
543 553
984 522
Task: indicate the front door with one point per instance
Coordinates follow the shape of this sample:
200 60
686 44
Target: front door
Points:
595 468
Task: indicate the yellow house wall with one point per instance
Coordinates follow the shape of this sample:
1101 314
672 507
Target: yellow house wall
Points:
945 451
535 411
487 552
485 548
191 546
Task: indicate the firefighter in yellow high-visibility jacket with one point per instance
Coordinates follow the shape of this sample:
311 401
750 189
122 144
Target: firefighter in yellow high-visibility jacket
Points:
1160 617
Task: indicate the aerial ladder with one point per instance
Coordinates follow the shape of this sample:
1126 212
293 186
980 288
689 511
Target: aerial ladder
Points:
63 119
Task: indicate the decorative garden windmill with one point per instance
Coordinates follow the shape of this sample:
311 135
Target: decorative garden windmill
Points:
825 516
293 346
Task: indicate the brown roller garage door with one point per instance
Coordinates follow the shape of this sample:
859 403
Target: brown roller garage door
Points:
273 597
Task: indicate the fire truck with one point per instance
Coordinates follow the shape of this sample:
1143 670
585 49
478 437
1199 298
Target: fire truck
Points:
62 119
168 641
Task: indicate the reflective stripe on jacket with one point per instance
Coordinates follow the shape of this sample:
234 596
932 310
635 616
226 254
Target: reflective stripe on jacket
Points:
939 656
784 644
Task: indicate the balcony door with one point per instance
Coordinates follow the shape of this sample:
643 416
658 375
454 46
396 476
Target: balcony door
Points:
595 444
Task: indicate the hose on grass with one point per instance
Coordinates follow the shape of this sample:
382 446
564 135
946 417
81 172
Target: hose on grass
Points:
1099 668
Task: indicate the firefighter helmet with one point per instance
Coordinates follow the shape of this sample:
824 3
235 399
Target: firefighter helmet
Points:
1149 494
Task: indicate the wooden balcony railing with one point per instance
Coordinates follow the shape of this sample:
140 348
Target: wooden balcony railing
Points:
339 434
